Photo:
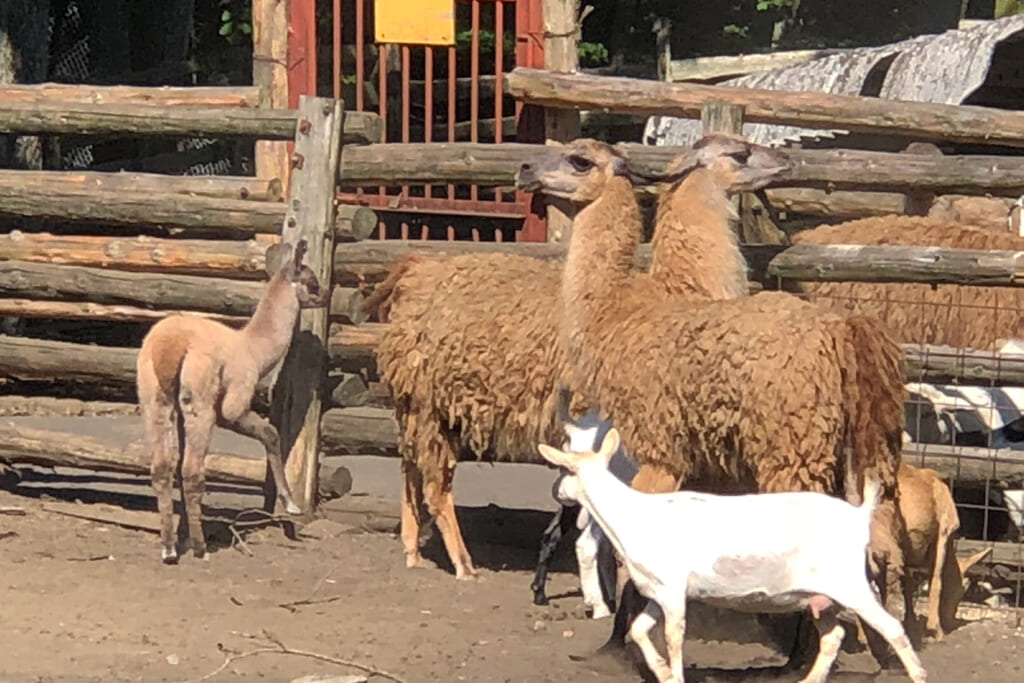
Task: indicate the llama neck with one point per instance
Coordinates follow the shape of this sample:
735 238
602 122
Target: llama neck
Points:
612 503
695 248
599 265
268 333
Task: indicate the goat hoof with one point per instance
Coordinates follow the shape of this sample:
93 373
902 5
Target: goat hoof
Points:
292 508
540 599
169 556
600 612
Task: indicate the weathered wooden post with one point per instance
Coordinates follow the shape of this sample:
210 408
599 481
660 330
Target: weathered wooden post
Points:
562 25
298 392
754 227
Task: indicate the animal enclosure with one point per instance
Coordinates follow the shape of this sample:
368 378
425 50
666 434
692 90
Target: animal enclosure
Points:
198 244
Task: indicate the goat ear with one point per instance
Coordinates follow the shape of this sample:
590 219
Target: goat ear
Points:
968 562
557 458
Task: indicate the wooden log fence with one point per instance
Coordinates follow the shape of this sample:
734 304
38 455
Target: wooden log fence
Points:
831 169
63 118
166 209
217 187
919 120
159 96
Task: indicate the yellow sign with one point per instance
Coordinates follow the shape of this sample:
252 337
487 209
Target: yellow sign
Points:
415 22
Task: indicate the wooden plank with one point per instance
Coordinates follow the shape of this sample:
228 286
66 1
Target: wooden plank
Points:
45 360
360 431
811 202
485 164
270 74
949 365
84 310
884 263
919 120
21 445
118 287
562 25
159 96
719 67
49 118
1003 552
967 464
227 258
119 207
219 187
297 395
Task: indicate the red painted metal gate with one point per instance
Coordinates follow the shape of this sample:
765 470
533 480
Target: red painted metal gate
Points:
431 94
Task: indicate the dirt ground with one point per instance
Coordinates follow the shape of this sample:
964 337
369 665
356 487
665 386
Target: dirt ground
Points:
87 601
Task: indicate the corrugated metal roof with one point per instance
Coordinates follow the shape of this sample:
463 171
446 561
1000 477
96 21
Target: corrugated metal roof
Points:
943 68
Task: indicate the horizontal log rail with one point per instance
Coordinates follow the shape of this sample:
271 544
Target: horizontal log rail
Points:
838 169
20 445
918 120
886 263
218 187
70 202
58 118
161 96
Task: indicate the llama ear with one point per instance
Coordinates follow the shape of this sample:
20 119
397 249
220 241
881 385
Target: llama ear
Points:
277 256
557 458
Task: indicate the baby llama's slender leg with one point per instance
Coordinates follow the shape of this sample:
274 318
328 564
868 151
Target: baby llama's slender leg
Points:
412 500
441 503
254 426
830 635
197 400
160 419
640 632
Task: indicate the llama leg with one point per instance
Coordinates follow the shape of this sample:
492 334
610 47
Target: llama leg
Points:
830 635
412 499
198 431
441 503
867 607
160 420
252 425
640 632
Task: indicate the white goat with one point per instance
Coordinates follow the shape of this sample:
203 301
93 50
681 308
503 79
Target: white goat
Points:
774 552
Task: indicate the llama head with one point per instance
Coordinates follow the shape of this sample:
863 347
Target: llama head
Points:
285 260
577 171
737 165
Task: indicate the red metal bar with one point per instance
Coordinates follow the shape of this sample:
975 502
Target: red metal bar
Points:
452 73
428 104
360 46
336 19
382 89
301 50
499 72
474 88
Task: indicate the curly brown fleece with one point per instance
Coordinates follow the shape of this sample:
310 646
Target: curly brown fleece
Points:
768 392
970 317
472 358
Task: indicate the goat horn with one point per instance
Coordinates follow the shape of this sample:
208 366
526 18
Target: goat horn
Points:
563 403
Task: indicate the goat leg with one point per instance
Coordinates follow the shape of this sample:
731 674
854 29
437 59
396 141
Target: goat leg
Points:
255 427
553 534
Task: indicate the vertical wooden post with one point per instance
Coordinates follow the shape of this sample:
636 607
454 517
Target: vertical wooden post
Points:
270 74
754 226
296 398
562 22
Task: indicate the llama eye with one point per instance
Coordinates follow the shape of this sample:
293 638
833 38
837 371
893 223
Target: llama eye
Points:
580 164
741 156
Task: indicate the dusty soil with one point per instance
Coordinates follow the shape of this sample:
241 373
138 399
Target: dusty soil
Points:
88 601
